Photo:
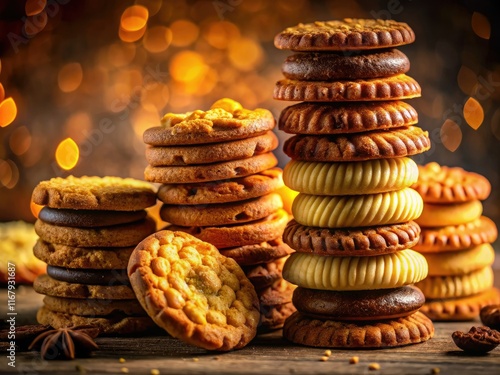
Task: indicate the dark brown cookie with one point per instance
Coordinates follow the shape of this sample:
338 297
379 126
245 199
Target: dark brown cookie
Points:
278 293
266 274
259 253
273 317
89 218
89 277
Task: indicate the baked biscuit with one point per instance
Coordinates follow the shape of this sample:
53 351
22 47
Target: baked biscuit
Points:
193 292
278 293
93 307
88 218
266 274
264 252
346 34
273 317
88 277
377 144
436 215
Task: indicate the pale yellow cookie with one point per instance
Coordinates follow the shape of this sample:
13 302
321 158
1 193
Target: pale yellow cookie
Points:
357 211
355 273
454 263
439 215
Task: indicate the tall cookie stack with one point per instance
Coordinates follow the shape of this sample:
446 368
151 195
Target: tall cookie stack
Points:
219 183
455 240
353 218
88 228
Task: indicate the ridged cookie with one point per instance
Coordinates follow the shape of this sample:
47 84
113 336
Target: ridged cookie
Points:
355 273
377 144
266 274
264 252
278 293
357 210
362 177
93 307
440 215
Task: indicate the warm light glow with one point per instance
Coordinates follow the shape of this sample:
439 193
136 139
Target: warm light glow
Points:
67 154
35 209
144 119
8 112
245 54
220 34
35 24
157 39
134 18
153 6
33 7
131 36
184 33
287 195
466 79
187 66
156 96
2 92
120 54
70 77
473 113
20 140
481 25
77 126
9 174
451 135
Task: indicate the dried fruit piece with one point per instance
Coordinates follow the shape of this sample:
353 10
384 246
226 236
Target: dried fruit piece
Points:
490 316
479 340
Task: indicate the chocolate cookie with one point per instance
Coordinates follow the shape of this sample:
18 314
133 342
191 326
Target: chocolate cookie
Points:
278 293
89 277
273 317
88 218
265 275
263 252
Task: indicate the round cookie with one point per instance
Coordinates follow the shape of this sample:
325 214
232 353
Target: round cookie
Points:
358 305
362 177
95 193
88 277
266 274
341 118
88 218
263 252
376 144
334 66
346 34
273 317
93 307
278 293
193 292
411 329
355 273
222 213
351 241
211 153
437 215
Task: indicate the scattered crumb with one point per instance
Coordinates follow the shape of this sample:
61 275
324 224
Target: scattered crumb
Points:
324 358
216 358
354 360
81 369
435 370
124 370
374 366
196 359
121 360
328 352
155 371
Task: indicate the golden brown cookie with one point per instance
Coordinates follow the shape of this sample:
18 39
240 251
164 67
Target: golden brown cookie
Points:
346 34
351 241
273 317
341 118
441 184
193 292
396 87
460 262
93 307
222 213
211 172
437 215
264 252
95 193
88 218
378 144
266 274
411 329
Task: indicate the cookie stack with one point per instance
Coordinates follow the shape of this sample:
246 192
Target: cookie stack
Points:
88 228
353 218
455 240
219 183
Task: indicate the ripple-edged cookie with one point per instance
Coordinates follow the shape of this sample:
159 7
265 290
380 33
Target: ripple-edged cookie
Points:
437 215
258 253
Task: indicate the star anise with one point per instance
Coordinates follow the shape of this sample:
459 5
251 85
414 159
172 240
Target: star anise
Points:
66 343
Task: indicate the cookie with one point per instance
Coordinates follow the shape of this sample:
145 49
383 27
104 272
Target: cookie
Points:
211 153
411 329
396 87
266 274
112 325
116 236
355 273
273 317
456 237
93 307
226 120
358 305
222 191
193 292
263 252
222 213
357 210
239 235
465 308
441 184
45 284
278 293
341 118
81 257
377 144
211 172
88 218
352 241
437 215
361 177
346 34
334 66
95 193
88 277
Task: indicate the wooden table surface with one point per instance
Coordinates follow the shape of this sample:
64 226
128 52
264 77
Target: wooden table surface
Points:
267 354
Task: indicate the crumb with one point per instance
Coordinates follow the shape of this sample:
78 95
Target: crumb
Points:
216 358
80 369
155 371
124 370
196 359
121 360
374 366
435 370
328 352
324 358
354 360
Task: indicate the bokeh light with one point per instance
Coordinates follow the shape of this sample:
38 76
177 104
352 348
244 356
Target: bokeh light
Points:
184 33
157 39
451 135
134 18
473 113
33 7
67 154
8 112
70 77
481 25
20 140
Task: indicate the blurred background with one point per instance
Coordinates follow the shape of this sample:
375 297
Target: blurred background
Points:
82 79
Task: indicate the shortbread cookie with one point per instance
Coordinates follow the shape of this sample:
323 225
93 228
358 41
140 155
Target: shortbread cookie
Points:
211 172
44 284
358 305
223 191
437 215
396 87
362 177
239 235
226 120
441 184
115 236
266 274
278 293
411 329
346 34
337 66
93 307
357 210
95 193
88 277
378 144
223 213
436 287
465 308
341 118
355 273
88 218
460 262
456 237
351 241
273 317
193 292
264 252
211 153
